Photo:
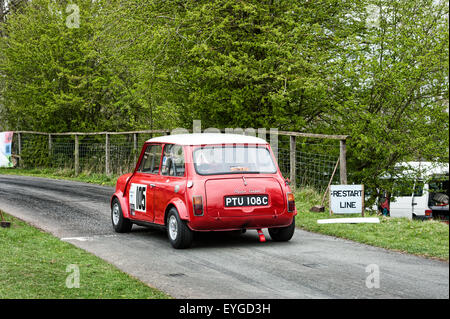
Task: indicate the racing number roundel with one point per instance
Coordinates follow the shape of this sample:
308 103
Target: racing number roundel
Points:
138 198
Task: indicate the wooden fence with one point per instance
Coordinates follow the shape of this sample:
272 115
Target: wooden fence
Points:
293 136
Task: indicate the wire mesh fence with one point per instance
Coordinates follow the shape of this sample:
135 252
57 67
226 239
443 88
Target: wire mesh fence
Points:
117 153
314 162
61 153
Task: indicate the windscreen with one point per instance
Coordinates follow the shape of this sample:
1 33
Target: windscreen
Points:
215 160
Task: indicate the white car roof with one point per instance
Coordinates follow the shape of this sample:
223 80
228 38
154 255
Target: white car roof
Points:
207 138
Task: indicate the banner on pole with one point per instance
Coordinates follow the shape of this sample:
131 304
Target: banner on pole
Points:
5 149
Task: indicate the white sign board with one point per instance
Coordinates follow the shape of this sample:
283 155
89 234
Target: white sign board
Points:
347 199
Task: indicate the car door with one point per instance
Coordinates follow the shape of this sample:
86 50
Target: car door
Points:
420 199
172 182
142 185
402 203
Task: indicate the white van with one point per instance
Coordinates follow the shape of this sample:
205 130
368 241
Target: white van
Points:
427 197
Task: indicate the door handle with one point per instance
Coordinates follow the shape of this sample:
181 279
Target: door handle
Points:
414 204
152 185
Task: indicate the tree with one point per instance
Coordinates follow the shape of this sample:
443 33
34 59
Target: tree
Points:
52 78
8 6
260 63
227 62
138 42
391 91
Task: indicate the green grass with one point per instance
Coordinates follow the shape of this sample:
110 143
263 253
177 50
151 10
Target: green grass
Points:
94 178
33 265
424 238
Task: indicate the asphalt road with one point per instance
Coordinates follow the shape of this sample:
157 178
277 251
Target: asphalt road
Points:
220 265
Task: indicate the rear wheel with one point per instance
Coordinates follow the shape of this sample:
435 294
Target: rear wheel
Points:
120 223
283 233
180 236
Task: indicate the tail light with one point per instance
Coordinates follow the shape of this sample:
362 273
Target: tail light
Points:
428 213
198 205
290 202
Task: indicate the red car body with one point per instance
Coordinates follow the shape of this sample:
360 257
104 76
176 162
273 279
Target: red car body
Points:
234 200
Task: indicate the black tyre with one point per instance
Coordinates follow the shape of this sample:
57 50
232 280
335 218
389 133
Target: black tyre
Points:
283 233
180 236
120 223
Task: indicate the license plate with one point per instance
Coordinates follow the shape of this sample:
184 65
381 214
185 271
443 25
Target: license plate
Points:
246 200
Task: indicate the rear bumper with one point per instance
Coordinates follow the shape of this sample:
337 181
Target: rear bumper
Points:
207 223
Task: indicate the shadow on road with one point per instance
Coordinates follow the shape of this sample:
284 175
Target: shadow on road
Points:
218 239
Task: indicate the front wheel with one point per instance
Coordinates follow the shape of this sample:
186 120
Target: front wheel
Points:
180 236
283 233
120 223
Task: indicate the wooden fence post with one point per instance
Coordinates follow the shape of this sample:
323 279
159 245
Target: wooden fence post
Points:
273 132
49 146
293 161
135 146
77 155
107 155
19 151
343 161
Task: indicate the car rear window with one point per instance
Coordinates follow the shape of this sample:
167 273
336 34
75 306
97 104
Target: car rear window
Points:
215 160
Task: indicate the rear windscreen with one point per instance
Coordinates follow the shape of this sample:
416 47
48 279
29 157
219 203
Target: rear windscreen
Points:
215 160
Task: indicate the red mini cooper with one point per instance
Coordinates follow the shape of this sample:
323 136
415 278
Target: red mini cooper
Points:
205 182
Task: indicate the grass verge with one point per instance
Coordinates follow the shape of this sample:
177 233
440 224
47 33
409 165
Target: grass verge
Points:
423 238
33 264
94 178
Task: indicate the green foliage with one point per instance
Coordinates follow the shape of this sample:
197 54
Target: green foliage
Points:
139 43
259 63
53 79
391 92
319 66
44 77
35 152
